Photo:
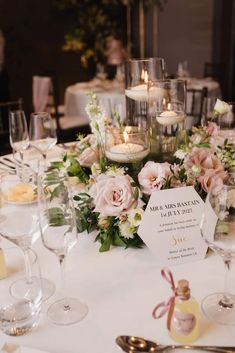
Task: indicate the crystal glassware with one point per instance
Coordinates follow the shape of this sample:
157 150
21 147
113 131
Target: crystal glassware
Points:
19 136
166 114
42 133
59 235
218 231
138 73
226 123
19 223
20 315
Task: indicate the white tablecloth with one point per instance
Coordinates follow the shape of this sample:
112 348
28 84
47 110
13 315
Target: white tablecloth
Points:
120 287
110 94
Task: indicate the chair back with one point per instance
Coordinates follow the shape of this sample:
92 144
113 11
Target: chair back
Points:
194 106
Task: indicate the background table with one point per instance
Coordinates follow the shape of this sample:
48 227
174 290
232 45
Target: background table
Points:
110 94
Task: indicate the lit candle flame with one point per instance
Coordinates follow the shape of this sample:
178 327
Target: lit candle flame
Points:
169 106
144 76
125 136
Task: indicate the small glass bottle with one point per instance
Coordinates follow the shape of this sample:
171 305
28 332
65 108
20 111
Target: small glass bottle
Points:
184 327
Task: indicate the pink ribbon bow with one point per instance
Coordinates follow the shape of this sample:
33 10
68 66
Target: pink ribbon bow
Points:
167 306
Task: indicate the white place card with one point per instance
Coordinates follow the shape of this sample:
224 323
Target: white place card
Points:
170 226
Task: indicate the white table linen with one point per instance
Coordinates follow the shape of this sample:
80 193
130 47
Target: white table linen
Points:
121 288
110 94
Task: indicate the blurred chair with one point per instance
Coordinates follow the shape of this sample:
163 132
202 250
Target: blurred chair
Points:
212 70
194 107
46 98
5 108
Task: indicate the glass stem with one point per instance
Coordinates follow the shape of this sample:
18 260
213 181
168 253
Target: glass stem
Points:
44 155
227 301
63 280
28 271
22 174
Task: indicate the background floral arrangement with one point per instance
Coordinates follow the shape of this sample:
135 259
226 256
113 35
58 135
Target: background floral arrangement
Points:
112 200
100 19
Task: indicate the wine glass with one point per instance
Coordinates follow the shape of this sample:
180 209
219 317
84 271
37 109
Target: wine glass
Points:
19 316
218 230
59 235
19 223
19 137
42 133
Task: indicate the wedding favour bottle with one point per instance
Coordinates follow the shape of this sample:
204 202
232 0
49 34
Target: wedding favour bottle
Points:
184 327
3 269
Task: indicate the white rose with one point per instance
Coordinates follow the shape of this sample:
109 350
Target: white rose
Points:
222 107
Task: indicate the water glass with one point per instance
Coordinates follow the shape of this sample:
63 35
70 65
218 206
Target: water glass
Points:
19 316
19 137
42 133
226 123
166 114
138 73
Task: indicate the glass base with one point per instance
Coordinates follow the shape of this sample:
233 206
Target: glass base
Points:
21 286
213 308
67 311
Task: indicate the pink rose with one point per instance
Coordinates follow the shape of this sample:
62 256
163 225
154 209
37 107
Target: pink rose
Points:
152 175
211 175
212 129
201 159
89 151
113 194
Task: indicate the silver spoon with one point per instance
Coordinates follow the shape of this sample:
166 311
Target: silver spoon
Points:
132 344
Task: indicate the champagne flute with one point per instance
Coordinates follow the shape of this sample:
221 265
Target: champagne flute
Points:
218 230
59 235
42 133
19 223
19 137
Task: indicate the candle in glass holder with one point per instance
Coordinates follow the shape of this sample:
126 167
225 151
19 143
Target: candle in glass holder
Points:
170 117
126 152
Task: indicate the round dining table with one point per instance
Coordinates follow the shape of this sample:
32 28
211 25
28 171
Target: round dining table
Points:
121 287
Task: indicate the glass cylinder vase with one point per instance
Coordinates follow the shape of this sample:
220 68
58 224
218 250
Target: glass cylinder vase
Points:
166 114
138 73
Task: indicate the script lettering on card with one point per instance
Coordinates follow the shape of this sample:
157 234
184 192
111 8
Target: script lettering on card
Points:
170 226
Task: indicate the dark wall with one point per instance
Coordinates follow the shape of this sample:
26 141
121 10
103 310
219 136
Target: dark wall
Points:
34 33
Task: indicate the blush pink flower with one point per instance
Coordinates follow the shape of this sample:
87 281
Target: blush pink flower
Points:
89 151
152 176
211 175
212 129
113 195
201 159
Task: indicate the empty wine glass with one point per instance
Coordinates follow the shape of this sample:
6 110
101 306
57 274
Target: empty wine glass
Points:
18 316
19 137
218 230
59 235
42 133
19 223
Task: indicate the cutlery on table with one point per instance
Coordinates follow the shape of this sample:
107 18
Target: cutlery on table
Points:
132 344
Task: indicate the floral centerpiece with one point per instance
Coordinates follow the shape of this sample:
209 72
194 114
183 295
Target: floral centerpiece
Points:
111 201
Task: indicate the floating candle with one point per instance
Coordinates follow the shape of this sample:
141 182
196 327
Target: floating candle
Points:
126 152
140 93
170 117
